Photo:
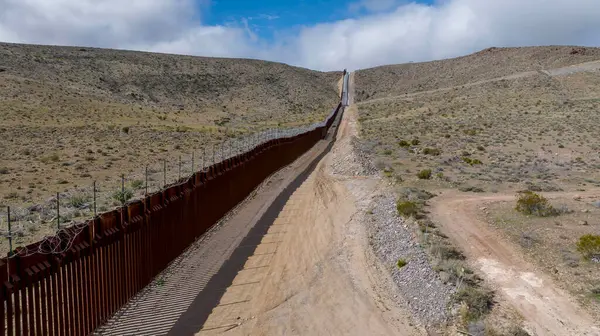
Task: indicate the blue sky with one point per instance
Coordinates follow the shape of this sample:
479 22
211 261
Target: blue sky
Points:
267 17
316 34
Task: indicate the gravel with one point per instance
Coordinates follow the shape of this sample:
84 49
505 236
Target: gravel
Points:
352 160
426 296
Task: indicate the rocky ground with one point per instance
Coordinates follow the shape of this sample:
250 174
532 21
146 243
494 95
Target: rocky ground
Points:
393 239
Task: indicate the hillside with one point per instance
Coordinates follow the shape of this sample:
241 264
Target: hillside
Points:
71 116
478 130
393 80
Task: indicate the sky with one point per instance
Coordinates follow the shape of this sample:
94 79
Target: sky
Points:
317 34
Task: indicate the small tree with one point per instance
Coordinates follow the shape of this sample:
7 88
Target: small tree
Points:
589 245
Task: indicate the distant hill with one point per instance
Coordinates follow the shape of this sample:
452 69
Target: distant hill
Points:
391 80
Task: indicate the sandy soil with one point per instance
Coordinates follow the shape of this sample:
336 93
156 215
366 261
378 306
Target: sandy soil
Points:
546 309
314 272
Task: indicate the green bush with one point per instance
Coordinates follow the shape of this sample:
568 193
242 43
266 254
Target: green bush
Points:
432 151
407 208
403 143
137 184
589 245
424 174
122 196
531 203
479 301
401 263
471 161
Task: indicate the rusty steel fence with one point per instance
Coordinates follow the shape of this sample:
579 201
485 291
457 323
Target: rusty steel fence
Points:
72 284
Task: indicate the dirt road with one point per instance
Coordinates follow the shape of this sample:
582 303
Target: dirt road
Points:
546 309
314 273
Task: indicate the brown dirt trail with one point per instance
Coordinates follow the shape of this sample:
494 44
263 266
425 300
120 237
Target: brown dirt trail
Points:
546 309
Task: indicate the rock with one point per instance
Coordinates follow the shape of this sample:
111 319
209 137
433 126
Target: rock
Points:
577 197
483 208
583 223
585 210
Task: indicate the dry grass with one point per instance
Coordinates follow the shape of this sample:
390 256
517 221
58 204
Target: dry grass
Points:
525 133
74 115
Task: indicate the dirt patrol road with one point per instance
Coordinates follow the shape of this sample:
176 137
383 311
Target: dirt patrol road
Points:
314 272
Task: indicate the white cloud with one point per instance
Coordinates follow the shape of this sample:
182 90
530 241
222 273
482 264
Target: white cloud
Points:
408 32
414 32
161 25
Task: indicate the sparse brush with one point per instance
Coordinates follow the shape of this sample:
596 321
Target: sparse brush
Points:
403 143
122 196
137 184
50 158
479 301
407 208
401 263
79 201
531 203
424 174
470 161
589 245
432 151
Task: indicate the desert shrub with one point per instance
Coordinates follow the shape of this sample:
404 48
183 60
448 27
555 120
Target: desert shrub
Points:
4 170
445 252
479 301
424 174
50 158
531 203
432 151
407 208
480 148
472 162
401 263
387 152
79 201
415 142
403 143
517 331
137 184
125 129
122 196
470 132
589 245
